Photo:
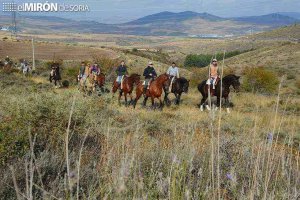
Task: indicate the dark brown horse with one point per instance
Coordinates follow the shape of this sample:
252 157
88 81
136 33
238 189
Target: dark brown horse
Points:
127 87
227 81
55 74
179 86
155 90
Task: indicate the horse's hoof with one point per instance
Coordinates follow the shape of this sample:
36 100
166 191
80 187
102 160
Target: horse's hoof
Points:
201 108
208 108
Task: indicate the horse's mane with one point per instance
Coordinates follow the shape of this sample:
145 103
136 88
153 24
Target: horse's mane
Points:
134 75
182 80
230 78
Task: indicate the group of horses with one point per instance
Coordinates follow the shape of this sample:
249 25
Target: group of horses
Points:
180 85
25 69
162 84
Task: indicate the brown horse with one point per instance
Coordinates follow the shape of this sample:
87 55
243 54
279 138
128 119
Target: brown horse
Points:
155 90
100 80
100 84
127 87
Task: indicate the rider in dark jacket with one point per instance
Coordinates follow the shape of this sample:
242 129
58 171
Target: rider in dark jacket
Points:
149 74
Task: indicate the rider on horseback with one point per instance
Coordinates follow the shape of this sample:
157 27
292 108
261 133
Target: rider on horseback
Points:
149 74
7 61
95 70
82 71
214 73
173 72
121 72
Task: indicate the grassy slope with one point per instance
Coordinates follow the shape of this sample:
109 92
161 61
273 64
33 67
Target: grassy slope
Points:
150 154
137 153
284 33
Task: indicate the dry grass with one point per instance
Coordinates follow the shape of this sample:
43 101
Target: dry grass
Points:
148 154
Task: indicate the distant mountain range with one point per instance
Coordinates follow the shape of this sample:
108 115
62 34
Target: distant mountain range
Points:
186 23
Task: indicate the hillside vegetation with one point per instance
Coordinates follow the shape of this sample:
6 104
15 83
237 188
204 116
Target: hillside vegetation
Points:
62 144
118 152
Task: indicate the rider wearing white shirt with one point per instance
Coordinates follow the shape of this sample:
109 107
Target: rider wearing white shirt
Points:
173 72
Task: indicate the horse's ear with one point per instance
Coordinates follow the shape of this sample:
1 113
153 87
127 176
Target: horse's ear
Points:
238 77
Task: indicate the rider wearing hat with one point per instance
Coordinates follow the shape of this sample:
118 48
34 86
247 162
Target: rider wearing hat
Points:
214 73
149 74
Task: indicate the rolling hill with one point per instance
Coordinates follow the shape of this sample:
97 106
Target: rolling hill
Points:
161 24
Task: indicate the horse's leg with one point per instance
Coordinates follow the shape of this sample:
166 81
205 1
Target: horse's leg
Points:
119 99
131 98
166 99
178 99
145 101
138 96
227 105
208 107
202 103
161 103
152 102
125 95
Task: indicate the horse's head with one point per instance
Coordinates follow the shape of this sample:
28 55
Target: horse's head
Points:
164 77
135 78
100 79
235 82
185 85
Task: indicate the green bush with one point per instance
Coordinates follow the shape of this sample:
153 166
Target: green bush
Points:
65 83
202 60
134 50
260 80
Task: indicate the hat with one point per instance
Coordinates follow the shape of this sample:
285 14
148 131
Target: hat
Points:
214 60
150 63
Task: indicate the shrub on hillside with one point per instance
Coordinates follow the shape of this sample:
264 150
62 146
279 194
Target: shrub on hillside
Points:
202 60
260 80
106 63
65 83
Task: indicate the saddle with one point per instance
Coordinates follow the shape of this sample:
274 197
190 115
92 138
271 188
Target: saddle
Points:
146 84
217 80
212 91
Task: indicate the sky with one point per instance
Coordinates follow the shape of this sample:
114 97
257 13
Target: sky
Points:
119 11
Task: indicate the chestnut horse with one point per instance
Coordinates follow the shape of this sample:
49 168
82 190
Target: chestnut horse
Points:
100 80
155 90
127 87
99 83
